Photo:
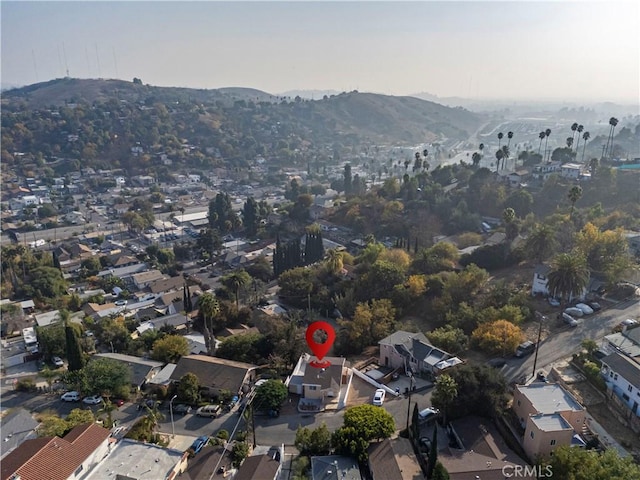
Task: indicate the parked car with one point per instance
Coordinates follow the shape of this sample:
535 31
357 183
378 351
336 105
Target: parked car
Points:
92 400
70 397
569 320
118 402
586 309
629 322
525 349
378 397
182 408
210 411
199 443
497 362
595 306
121 303
574 312
554 302
428 414
57 361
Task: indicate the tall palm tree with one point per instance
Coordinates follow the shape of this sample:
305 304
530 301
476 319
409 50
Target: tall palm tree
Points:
505 155
585 137
574 129
541 136
509 136
568 277
335 261
541 243
547 132
208 307
569 142
499 157
235 281
580 128
500 135
613 122
574 195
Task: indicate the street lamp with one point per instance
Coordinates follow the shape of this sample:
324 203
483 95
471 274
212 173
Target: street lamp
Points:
173 428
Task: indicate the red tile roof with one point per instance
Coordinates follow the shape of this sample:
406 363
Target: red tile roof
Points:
53 458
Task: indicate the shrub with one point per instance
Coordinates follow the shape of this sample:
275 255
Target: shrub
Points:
26 385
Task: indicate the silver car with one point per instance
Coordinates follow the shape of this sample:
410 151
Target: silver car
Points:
569 320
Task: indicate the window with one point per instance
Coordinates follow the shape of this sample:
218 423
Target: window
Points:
553 442
615 377
611 374
625 397
630 388
518 402
78 470
312 387
532 434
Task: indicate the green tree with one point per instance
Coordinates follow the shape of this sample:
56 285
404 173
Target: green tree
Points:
79 416
270 395
574 195
239 452
241 348
439 472
189 389
51 426
581 464
107 410
499 337
370 323
348 441
449 338
47 282
335 261
170 349
433 454
589 345
541 243
106 376
362 424
445 392
72 344
315 441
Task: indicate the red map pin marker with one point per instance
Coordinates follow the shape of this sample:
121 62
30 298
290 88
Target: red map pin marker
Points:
320 349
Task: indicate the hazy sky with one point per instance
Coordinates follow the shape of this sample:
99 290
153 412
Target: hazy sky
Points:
574 50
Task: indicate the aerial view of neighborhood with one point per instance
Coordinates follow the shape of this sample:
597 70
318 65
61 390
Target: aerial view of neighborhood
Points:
205 281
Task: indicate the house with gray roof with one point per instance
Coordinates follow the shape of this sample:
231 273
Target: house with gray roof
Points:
626 342
141 369
335 467
410 352
622 376
16 427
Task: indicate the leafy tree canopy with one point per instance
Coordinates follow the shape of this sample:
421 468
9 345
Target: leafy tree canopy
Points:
270 395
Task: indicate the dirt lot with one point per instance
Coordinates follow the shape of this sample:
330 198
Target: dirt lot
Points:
360 392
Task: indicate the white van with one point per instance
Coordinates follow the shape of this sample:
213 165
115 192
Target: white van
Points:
210 411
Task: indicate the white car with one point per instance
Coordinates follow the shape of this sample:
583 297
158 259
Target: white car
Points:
554 302
121 303
57 361
569 320
70 397
586 309
92 400
574 312
378 397
629 322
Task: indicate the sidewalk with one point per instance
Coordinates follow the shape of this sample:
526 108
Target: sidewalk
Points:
180 442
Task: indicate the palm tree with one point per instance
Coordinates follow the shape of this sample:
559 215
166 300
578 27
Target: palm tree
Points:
585 137
107 408
574 128
613 122
209 307
547 132
509 136
568 277
569 142
499 156
541 136
335 261
505 155
574 195
541 243
235 281
580 128
476 159
445 392
500 135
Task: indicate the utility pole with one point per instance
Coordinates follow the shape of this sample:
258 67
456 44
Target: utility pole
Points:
409 403
535 358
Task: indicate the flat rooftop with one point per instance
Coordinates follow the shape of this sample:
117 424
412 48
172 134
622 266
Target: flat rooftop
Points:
550 423
549 398
133 459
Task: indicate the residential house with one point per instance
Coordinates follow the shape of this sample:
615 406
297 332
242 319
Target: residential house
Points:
203 466
177 321
571 170
55 458
17 426
410 352
518 178
165 285
120 208
334 467
550 416
627 342
622 376
47 318
259 467
542 172
480 452
540 284
216 374
141 369
123 273
319 388
137 460
95 310
143 279
242 330
394 458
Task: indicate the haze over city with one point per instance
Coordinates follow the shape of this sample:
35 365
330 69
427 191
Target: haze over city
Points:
560 51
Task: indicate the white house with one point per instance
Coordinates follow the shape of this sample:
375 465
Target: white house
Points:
571 170
543 171
622 376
